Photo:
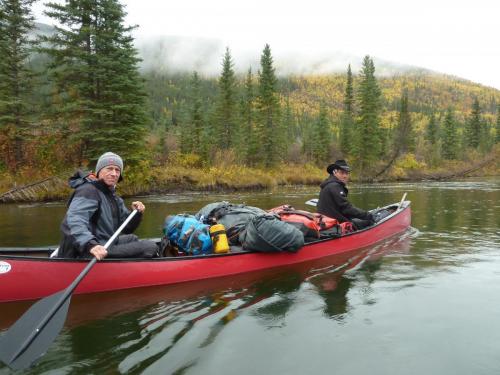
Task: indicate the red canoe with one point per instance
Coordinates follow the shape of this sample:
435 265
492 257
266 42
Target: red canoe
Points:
27 277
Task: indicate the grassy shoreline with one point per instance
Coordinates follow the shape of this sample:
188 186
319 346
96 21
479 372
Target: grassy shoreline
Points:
151 180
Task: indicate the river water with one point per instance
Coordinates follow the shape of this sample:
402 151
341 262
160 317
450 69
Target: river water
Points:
426 302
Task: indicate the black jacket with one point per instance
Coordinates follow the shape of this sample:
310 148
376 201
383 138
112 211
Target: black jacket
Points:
333 202
95 212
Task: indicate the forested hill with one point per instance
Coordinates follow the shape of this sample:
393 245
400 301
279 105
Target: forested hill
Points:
429 92
88 87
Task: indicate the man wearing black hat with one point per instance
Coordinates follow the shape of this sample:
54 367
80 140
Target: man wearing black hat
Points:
333 201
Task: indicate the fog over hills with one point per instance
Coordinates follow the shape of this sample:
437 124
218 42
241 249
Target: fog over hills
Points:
187 54
177 54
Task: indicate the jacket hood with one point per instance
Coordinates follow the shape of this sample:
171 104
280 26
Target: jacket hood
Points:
79 178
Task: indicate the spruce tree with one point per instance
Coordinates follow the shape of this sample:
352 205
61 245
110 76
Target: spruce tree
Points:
431 134
268 109
16 21
249 141
404 139
185 139
321 137
289 125
95 70
308 137
347 122
450 137
486 139
196 112
283 142
368 142
474 126
191 128
226 104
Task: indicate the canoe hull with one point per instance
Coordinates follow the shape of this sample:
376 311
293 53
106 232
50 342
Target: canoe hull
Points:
32 278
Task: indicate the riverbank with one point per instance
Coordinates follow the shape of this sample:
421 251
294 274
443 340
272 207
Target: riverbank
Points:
168 178
145 179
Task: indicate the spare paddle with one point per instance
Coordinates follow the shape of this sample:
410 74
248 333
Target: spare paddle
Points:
30 337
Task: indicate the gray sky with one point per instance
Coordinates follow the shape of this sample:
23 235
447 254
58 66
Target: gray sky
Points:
449 36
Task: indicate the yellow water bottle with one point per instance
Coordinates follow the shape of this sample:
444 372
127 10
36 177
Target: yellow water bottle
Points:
219 239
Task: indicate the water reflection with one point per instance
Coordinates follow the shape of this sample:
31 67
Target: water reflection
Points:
334 284
393 302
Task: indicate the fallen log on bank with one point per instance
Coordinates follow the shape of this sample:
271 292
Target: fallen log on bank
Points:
31 192
461 173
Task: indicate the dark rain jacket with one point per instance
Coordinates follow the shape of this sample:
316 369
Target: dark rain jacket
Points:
94 214
333 202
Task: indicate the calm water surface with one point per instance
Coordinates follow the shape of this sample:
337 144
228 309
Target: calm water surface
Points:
426 302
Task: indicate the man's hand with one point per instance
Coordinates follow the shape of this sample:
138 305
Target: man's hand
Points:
99 252
138 206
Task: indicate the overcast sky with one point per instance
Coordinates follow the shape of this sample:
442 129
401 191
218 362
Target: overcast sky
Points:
455 37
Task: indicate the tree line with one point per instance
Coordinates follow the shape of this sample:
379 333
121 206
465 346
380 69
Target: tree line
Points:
68 96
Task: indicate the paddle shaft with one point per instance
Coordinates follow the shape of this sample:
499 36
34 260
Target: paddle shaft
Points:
402 201
69 290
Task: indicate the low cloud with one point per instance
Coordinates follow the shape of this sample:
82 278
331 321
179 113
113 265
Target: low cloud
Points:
187 54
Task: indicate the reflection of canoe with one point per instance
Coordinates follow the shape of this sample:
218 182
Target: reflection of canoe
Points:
24 277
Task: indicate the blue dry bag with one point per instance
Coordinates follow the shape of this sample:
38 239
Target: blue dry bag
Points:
188 234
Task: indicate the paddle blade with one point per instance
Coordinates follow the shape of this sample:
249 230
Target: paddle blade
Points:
312 202
20 347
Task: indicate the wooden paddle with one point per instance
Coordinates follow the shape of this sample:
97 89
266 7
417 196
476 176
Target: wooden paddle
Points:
32 334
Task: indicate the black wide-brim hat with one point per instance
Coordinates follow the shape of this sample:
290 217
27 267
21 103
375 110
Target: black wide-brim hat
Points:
339 164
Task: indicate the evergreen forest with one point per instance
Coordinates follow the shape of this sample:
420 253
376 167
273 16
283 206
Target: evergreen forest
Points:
68 95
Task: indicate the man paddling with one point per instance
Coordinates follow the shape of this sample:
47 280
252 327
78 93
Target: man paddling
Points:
333 201
96 211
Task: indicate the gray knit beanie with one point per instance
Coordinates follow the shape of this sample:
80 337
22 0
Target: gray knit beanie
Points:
109 158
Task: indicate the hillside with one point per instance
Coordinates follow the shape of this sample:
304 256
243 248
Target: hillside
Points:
428 92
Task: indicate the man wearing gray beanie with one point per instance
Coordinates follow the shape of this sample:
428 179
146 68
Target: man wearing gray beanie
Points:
95 212
109 158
